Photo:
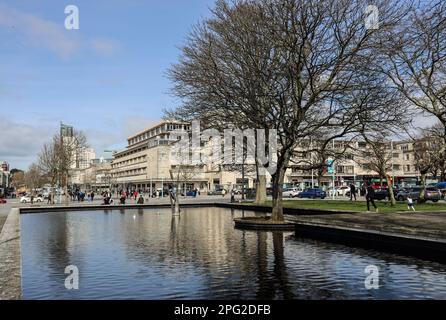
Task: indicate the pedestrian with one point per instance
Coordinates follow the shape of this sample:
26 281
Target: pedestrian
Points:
352 192
223 192
123 197
370 197
410 205
92 196
232 195
141 199
49 199
32 199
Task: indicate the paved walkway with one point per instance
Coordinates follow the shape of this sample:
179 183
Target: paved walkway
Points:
423 224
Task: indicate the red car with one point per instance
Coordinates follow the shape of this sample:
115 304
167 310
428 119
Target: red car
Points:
2 200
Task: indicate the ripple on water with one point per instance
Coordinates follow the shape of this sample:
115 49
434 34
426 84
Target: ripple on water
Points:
199 255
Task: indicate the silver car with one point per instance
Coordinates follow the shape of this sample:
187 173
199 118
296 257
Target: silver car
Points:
432 194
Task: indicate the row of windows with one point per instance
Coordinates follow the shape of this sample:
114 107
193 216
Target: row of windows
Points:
158 130
131 152
127 173
365 166
129 162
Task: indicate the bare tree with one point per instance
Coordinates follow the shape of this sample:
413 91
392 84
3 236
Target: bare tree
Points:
379 155
59 156
34 178
414 59
437 150
17 179
281 64
49 164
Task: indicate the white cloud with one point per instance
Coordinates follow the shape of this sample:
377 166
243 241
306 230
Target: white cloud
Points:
134 125
21 143
104 47
35 31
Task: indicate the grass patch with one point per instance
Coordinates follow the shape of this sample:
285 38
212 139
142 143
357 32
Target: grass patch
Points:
359 206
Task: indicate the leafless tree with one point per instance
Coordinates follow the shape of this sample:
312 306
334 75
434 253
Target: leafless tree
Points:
414 59
289 65
59 156
379 155
34 178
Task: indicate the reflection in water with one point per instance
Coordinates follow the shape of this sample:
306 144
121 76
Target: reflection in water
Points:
152 254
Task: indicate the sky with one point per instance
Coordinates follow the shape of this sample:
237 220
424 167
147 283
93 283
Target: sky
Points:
108 78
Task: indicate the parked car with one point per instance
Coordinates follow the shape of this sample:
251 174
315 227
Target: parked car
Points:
290 192
432 194
342 191
381 194
191 193
2 200
442 187
313 193
215 192
27 199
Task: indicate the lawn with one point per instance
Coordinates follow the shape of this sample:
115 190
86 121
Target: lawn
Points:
360 206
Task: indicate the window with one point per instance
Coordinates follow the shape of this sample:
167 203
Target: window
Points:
396 155
407 156
408 168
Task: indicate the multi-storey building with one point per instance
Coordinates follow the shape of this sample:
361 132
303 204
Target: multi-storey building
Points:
146 163
81 158
5 177
355 167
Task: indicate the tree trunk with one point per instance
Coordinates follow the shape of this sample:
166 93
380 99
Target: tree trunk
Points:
260 190
278 178
391 194
66 189
177 201
421 198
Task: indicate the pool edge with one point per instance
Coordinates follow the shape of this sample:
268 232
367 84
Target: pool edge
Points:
10 258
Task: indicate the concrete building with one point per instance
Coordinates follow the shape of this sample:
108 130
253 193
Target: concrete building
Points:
82 158
5 177
146 163
355 167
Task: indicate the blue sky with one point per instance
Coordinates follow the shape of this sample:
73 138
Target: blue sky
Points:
108 78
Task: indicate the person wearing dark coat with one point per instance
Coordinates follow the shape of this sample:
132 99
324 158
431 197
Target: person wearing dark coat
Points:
352 192
370 197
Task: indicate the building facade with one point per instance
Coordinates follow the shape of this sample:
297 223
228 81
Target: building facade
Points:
5 177
146 163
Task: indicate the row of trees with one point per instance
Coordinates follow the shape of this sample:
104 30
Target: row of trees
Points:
53 164
313 71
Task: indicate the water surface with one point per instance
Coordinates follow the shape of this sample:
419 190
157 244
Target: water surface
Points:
150 254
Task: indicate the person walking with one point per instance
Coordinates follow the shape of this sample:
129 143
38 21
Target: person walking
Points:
232 195
352 192
370 197
410 205
223 192
141 199
123 197
92 196
49 198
